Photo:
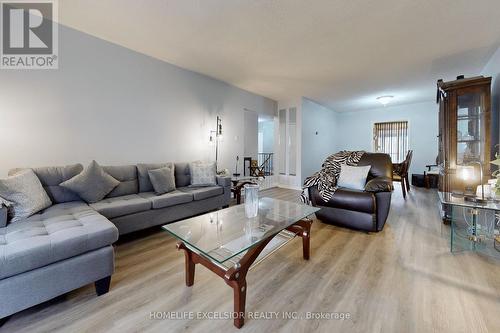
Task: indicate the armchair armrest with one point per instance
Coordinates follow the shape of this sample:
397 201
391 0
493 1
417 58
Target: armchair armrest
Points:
379 184
430 166
224 181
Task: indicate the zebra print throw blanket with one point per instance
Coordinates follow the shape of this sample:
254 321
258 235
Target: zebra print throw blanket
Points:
326 178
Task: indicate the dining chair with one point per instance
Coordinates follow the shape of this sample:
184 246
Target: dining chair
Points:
400 173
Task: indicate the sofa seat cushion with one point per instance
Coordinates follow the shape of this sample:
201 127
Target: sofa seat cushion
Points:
348 199
167 199
200 193
119 206
59 232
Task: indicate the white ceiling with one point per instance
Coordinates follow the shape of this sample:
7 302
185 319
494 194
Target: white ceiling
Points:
342 54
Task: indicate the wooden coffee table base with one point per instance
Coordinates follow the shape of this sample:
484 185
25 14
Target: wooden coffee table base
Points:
235 276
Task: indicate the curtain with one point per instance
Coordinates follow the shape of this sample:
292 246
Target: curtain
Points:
391 138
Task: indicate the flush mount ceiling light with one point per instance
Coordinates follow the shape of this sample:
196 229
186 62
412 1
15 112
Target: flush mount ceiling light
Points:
384 100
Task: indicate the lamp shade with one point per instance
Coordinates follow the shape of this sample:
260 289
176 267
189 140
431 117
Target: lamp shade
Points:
466 173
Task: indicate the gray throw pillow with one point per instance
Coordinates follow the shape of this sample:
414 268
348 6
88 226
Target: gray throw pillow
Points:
163 180
24 194
353 177
143 176
92 184
202 174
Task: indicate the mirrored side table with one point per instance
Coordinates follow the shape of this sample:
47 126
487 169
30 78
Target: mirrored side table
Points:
474 226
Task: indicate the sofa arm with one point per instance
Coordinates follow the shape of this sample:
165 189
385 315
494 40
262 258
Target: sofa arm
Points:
379 184
223 181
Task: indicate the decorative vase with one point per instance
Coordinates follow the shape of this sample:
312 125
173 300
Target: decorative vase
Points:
251 200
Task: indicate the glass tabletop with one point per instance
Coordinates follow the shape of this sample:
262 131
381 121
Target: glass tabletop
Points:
457 200
223 234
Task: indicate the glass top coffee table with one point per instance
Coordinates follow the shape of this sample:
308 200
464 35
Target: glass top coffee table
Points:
474 226
229 244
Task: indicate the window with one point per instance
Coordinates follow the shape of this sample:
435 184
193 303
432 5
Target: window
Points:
391 138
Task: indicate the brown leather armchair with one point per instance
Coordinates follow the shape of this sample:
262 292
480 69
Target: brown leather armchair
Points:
363 210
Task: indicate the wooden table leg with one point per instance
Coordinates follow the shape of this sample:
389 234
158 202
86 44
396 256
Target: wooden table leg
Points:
238 196
190 265
240 295
303 229
306 242
236 275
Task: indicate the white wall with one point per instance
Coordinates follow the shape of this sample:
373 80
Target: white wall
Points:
319 129
251 119
117 106
266 127
355 130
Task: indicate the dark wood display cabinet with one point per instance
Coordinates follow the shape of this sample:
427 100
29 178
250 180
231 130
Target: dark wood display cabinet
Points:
464 133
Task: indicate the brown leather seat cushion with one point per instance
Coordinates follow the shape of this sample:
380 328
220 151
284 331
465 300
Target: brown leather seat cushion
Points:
348 199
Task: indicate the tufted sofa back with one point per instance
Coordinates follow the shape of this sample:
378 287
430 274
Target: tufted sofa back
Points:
133 179
51 177
127 176
182 174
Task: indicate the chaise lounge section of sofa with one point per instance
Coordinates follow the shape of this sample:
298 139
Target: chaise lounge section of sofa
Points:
69 244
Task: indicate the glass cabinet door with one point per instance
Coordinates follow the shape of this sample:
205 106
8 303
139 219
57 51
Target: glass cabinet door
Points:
470 128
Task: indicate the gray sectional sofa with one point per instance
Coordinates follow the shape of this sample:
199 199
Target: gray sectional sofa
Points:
69 244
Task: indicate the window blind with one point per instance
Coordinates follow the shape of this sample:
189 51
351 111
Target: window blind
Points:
391 138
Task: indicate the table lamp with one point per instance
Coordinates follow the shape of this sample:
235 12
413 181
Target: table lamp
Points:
467 175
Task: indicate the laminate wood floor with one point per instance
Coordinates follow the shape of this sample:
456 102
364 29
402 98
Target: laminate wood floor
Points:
403 279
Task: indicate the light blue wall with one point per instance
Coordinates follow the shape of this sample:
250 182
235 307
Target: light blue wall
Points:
492 69
355 130
316 147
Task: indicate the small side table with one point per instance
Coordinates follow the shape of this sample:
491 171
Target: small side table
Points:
474 226
430 178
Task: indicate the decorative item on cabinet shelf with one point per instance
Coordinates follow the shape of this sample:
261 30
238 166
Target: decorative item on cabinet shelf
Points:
496 173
